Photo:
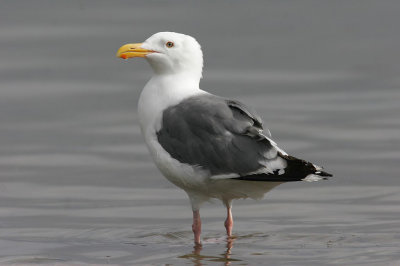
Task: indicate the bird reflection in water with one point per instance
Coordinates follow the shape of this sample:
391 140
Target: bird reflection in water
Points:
198 258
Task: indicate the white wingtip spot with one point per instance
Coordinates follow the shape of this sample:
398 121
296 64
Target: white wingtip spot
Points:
312 178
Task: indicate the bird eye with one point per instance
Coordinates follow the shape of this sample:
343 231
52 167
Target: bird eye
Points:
169 44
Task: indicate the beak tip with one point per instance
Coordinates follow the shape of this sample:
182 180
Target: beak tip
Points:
130 50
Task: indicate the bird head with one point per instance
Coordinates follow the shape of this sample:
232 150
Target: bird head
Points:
167 53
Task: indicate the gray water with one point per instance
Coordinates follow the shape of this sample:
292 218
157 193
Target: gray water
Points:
77 185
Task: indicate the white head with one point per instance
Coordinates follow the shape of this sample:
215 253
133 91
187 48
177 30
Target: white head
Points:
168 53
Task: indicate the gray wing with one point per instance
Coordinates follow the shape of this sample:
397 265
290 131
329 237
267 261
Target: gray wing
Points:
218 135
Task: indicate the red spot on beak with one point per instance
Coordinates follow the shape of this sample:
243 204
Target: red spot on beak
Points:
124 56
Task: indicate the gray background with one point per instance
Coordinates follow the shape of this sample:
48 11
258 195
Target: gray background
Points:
77 184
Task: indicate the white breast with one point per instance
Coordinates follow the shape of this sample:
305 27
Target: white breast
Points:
160 93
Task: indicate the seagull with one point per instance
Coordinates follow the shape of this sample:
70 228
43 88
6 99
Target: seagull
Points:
207 145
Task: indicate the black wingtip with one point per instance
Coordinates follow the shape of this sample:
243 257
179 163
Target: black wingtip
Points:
324 174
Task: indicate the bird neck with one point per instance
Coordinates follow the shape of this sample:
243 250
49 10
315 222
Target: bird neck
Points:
177 81
190 66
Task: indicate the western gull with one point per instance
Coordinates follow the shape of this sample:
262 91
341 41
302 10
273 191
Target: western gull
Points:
210 146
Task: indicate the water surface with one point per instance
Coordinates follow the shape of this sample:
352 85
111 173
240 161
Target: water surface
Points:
77 184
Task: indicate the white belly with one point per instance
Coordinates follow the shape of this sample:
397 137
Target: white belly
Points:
160 93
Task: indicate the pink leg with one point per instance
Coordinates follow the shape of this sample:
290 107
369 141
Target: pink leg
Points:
229 220
196 227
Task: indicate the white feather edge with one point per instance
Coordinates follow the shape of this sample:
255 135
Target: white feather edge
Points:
225 176
273 143
270 165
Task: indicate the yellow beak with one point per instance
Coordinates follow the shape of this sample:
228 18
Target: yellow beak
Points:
132 50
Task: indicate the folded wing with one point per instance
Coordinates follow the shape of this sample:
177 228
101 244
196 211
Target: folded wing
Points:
227 139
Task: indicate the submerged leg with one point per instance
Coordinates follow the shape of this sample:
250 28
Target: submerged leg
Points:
196 227
229 219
